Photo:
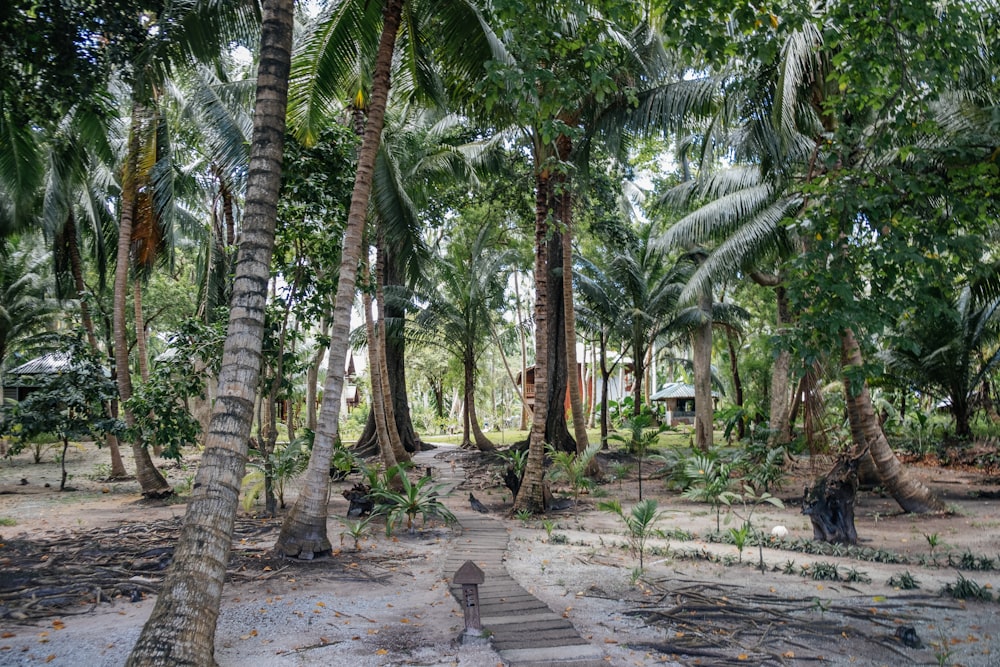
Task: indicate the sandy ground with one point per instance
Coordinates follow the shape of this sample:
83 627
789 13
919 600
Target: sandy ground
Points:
388 603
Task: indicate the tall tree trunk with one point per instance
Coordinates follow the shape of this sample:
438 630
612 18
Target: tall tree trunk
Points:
866 431
312 377
387 392
569 317
701 345
482 443
734 370
303 532
394 346
141 351
780 373
76 268
531 494
556 429
181 628
150 480
382 422
605 379
522 339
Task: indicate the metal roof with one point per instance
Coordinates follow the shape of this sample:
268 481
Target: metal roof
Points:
52 362
677 390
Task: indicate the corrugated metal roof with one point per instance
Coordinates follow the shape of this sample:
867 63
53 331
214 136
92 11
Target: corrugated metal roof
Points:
53 362
676 390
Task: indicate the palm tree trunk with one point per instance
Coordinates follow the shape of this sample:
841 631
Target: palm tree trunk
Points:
531 494
304 531
381 355
522 339
312 378
181 629
483 443
150 480
573 377
382 424
866 431
141 351
76 267
701 345
734 370
780 434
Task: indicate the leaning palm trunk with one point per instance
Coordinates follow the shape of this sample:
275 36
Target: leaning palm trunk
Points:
471 420
866 431
153 484
181 629
304 531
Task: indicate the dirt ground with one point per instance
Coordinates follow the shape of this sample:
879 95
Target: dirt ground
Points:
79 571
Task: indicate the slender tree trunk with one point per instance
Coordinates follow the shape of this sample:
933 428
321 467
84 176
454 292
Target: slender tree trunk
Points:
387 394
556 429
531 494
181 628
701 345
866 431
304 531
605 379
153 484
569 317
482 443
141 351
522 338
76 267
312 378
780 373
734 370
382 425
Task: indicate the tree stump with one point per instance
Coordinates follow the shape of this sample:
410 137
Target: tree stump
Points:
359 497
829 504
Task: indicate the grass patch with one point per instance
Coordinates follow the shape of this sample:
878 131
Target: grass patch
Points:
7 521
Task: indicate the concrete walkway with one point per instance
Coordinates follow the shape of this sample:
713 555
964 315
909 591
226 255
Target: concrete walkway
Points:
522 628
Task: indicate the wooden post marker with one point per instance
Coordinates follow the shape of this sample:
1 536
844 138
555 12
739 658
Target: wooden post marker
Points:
469 576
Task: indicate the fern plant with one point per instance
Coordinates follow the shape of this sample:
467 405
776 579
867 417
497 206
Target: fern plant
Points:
709 482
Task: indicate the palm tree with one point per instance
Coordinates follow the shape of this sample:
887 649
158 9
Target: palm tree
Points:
460 313
330 57
26 291
943 355
181 628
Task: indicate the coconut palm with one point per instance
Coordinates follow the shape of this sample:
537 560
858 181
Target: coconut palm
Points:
950 354
335 49
181 628
461 312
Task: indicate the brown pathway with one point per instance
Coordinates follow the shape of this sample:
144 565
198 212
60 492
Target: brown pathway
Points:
522 628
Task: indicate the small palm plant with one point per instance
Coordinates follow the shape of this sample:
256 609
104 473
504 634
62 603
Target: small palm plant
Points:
709 483
356 529
639 522
412 499
640 437
573 468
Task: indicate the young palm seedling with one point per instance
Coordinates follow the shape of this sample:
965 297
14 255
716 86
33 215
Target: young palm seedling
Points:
639 522
412 499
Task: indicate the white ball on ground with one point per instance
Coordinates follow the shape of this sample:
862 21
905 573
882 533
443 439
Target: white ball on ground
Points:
780 532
